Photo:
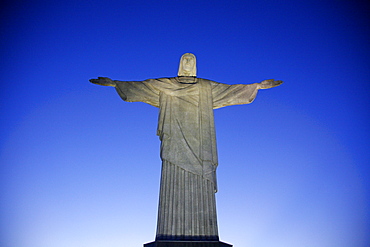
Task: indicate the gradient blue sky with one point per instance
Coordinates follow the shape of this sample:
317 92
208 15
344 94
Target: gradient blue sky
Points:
80 167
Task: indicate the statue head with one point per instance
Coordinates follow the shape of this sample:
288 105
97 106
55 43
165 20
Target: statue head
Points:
188 66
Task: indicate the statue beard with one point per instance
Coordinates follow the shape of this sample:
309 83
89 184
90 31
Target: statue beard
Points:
186 73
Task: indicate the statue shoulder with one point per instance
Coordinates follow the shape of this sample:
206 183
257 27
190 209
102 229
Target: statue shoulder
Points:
153 81
202 80
162 79
160 83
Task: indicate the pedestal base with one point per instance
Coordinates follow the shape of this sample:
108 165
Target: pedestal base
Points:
163 243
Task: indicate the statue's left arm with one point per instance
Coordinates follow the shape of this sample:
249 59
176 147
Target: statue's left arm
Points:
238 94
266 84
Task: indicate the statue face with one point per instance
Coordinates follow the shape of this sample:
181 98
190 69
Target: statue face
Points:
188 63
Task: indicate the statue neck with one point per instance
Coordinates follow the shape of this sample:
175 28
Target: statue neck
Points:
187 79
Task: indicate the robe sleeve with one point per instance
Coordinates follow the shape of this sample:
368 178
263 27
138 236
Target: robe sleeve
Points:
139 91
238 94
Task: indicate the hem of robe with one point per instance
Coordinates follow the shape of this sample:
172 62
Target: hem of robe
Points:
187 206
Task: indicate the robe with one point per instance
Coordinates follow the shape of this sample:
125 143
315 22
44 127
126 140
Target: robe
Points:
187 207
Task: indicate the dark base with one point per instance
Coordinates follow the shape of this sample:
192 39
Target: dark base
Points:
173 243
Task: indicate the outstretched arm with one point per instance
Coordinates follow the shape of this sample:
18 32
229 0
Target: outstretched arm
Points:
238 94
268 84
104 81
133 91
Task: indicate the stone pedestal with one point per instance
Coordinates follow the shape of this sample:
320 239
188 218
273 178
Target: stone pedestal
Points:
187 244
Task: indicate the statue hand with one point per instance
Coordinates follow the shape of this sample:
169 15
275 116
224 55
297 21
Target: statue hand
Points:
269 84
104 81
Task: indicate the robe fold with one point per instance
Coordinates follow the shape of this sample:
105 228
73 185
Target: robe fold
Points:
188 149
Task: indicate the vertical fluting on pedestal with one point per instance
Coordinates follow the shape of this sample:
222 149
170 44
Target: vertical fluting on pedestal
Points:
187 206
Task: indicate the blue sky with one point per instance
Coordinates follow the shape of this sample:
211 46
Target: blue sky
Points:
81 167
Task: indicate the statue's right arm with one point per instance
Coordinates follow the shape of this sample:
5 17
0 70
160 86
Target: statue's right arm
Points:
104 81
133 91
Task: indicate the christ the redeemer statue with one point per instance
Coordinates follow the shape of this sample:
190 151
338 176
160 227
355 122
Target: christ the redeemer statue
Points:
187 207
